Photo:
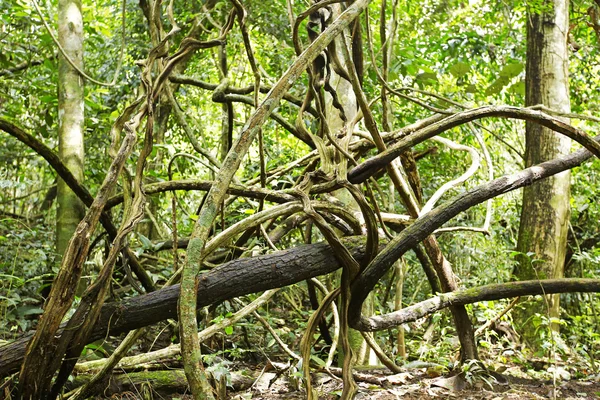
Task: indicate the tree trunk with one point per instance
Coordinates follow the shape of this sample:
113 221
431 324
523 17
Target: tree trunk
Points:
150 383
36 372
70 120
233 279
545 212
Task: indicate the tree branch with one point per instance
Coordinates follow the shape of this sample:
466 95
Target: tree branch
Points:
368 168
426 224
484 293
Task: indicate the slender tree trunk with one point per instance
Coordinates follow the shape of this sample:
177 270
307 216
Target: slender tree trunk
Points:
70 119
545 213
35 378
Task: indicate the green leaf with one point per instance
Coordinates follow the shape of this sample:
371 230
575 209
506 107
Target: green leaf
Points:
47 99
460 69
427 77
48 119
471 88
146 243
228 330
518 88
4 60
29 310
497 86
511 70
48 63
317 360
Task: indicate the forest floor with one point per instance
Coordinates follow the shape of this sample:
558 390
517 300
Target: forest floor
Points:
381 384
417 384
510 373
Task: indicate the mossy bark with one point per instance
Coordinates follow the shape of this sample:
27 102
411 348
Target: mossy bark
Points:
70 120
545 212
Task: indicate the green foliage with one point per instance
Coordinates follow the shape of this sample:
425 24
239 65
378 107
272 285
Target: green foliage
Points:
470 53
24 256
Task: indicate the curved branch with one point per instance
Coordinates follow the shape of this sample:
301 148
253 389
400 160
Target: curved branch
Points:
490 168
71 62
475 163
276 116
483 293
426 224
188 80
180 117
193 184
51 157
188 305
569 115
25 65
370 167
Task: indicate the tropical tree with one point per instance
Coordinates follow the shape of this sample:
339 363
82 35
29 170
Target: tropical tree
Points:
253 152
71 122
545 213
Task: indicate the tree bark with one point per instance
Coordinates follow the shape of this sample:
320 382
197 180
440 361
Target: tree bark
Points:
233 279
481 293
545 212
34 377
187 304
422 227
71 119
244 276
163 382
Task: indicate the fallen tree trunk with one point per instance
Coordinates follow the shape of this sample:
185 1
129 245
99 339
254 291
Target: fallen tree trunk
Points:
233 279
165 382
250 275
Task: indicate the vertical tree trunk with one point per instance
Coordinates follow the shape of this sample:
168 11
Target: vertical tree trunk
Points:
347 98
545 212
70 119
35 378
